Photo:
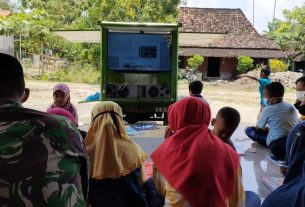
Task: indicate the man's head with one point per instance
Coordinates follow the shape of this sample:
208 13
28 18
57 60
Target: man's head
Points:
225 123
195 87
265 71
11 79
274 92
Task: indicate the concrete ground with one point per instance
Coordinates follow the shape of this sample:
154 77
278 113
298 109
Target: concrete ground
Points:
254 164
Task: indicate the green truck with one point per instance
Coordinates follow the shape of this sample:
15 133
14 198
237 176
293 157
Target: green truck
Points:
139 65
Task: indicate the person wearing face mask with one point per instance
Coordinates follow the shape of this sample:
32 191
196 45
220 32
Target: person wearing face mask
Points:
300 93
279 116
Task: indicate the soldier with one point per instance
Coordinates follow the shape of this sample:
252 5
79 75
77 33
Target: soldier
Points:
43 161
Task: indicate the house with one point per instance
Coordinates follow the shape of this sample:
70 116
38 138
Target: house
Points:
220 36
297 61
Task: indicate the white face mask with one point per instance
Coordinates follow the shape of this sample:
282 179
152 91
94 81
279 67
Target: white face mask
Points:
300 95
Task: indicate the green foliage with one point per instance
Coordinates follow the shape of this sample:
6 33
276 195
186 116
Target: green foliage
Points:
245 64
289 33
26 63
127 10
180 74
195 61
6 5
78 72
34 19
277 65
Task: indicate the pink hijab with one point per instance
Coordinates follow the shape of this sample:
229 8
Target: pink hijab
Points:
68 106
62 112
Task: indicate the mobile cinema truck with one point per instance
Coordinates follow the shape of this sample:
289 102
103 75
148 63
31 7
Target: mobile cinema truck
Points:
139 64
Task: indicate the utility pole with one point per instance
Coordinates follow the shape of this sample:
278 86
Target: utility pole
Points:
253 13
274 10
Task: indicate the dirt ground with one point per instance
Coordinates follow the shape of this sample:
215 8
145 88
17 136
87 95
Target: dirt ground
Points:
245 98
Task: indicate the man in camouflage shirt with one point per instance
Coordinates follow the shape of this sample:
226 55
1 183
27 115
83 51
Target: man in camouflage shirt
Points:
42 159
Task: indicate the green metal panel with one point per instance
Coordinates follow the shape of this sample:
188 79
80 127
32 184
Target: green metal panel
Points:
104 57
133 105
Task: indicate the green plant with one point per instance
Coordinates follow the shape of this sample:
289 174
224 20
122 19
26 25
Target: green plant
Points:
195 61
180 74
278 65
245 64
26 63
77 72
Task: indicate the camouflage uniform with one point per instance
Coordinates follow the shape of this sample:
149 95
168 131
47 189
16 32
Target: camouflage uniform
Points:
42 159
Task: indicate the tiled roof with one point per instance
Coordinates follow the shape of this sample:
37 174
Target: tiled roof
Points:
225 52
212 20
244 41
296 56
238 33
5 13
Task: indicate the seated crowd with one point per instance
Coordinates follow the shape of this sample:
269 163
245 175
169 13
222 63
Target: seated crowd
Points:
45 160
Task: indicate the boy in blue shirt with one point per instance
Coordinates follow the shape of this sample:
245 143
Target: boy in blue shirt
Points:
263 81
279 116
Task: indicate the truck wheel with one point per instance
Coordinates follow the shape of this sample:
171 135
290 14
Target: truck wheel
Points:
165 119
130 119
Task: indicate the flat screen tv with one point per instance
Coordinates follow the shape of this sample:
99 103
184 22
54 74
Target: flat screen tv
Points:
134 52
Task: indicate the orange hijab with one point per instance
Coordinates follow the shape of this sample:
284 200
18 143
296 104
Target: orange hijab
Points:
112 153
197 164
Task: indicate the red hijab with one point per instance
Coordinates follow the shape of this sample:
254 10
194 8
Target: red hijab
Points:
196 163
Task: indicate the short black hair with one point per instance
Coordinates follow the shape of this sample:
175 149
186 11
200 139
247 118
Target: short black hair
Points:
230 116
196 87
266 67
11 78
301 79
275 89
266 70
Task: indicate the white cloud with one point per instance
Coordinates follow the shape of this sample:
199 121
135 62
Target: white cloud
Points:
263 9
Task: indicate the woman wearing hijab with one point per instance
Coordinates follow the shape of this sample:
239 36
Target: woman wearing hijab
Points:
193 167
61 96
116 172
292 192
68 115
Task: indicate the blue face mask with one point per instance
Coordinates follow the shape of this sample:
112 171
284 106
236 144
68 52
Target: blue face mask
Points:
266 102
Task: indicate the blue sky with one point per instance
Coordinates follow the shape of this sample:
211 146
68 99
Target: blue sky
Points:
263 8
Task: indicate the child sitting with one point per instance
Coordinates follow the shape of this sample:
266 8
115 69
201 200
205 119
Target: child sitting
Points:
61 96
195 89
225 123
279 116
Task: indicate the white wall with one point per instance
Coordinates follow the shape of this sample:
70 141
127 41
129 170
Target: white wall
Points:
7 45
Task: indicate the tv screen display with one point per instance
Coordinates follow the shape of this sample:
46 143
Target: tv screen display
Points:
139 52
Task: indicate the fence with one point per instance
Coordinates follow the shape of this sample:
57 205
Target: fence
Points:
36 65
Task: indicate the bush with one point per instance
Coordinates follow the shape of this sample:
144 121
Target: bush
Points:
26 63
195 61
245 64
277 65
83 73
180 74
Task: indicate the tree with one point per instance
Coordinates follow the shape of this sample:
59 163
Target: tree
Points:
127 10
245 64
195 61
5 5
289 33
